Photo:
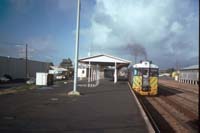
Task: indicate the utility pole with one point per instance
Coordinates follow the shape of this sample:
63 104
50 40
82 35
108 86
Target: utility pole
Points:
26 60
75 92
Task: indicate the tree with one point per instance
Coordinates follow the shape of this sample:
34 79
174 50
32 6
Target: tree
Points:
51 64
67 63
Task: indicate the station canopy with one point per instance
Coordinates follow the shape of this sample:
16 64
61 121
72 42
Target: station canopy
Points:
105 60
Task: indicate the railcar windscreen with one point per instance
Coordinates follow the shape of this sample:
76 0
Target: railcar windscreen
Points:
154 72
137 72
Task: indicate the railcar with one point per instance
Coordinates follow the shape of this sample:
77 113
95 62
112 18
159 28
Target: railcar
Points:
143 78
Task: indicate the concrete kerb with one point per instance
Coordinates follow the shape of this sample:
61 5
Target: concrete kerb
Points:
144 115
73 93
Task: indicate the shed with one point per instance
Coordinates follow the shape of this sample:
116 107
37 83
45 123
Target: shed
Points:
189 74
57 70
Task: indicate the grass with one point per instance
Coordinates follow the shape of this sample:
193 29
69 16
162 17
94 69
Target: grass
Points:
26 87
17 89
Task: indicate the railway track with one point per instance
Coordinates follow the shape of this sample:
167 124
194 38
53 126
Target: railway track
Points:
178 90
158 122
169 113
193 89
181 100
152 120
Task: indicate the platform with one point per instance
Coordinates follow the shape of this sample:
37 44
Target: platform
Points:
107 108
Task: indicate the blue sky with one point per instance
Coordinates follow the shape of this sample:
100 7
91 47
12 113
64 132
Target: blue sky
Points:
47 27
167 30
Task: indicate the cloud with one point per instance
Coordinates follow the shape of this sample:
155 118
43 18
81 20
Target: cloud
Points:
42 47
65 5
163 28
176 28
48 5
22 6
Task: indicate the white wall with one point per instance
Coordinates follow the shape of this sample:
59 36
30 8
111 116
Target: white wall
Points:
189 75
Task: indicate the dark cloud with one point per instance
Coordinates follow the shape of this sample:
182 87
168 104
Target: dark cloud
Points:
166 30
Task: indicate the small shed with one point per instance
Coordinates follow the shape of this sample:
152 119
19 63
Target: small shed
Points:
189 75
57 70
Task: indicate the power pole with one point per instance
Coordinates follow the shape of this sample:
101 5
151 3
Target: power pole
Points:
26 60
74 92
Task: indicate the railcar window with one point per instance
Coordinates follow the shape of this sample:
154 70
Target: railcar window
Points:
140 72
154 72
137 72
134 72
145 72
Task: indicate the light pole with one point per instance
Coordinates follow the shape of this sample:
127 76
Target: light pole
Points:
75 92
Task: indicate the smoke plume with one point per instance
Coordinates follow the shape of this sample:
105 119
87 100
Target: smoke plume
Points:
137 50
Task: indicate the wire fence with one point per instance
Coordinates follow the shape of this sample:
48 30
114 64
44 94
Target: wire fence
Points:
93 77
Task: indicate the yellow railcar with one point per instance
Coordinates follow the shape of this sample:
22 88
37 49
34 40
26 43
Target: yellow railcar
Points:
143 78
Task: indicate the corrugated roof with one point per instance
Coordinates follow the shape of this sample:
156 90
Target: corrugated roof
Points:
58 68
191 67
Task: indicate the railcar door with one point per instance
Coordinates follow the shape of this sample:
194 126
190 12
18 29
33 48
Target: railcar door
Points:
153 78
137 79
145 80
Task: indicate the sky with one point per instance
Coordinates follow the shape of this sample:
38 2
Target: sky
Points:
166 31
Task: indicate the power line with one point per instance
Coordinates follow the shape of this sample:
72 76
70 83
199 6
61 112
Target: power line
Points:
11 43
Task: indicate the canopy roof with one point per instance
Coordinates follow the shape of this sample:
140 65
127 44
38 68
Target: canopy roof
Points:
56 68
193 67
104 59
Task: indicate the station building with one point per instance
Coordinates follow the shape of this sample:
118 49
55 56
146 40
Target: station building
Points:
189 75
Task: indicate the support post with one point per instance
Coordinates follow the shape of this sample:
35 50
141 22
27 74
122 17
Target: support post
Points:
89 74
115 73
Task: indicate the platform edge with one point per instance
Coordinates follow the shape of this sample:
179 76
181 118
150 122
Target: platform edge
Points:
144 115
